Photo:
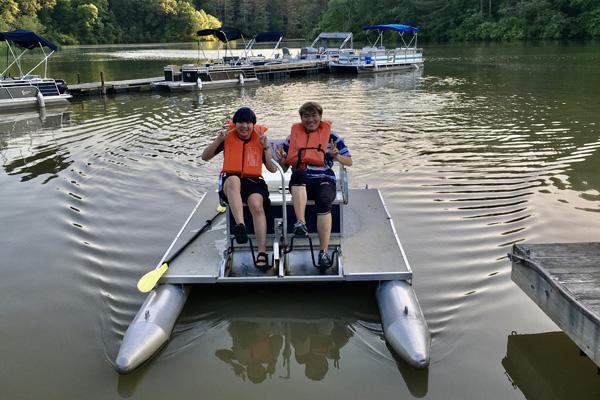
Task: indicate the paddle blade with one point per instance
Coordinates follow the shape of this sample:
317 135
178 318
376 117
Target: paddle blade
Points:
150 279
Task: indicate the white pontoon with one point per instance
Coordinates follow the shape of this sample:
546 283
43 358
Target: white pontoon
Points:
364 247
27 90
377 58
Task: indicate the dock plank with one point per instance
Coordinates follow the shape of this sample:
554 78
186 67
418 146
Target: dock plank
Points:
111 86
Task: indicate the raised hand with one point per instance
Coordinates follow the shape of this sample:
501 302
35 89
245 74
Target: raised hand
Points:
334 150
263 141
222 135
281 154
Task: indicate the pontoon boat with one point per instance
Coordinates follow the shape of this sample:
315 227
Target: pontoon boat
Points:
226 73
28 90
377 58
364 247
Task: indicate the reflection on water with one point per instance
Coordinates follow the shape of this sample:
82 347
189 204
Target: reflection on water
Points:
257 345
549 366
27 147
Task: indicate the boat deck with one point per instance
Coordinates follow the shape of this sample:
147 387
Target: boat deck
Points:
563 279
369 248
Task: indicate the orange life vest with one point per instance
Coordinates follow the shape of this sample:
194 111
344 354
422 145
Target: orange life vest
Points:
308 148
240 157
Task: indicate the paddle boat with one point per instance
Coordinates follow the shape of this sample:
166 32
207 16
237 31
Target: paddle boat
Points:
364 247
28 90
377 58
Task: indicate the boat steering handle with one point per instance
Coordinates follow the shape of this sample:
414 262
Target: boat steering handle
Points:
283 202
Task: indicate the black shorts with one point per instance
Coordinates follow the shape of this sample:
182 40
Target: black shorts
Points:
249 186
321 190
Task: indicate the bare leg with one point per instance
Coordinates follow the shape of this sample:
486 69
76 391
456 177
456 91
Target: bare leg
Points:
299 199
324 230
233 190
255 203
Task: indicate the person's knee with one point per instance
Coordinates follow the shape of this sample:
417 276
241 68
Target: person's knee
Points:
297 190
324 200
255 203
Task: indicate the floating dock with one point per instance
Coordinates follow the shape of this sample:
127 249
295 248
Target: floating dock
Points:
563 279
112 87
266 72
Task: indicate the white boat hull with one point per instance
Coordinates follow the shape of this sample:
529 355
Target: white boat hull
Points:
404 325
192 87
151 327
33 102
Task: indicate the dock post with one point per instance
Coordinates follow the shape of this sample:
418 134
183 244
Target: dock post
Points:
78 78
102 88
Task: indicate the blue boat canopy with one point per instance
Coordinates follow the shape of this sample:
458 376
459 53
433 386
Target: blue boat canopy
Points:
391 27
27 39
268 37
224 34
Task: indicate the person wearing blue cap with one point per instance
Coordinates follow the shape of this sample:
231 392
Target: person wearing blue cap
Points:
245 149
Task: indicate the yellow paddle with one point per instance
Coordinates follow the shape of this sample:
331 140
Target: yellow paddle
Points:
150 279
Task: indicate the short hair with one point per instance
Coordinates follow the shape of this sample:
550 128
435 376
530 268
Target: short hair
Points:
311 107
244 114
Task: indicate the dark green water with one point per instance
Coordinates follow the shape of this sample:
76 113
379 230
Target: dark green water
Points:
485 147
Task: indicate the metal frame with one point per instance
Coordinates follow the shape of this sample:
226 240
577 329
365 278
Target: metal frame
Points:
17 60
249 51
405 259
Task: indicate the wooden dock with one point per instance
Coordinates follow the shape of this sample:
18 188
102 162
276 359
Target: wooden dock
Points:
563 279
266 72
112 87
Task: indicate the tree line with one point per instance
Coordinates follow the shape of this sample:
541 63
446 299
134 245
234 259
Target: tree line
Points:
136 21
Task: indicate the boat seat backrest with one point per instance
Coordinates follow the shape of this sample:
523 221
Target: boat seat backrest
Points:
274 179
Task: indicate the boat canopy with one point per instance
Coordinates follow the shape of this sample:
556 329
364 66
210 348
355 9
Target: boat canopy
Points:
27 39
268 37
391 27
325 37
224 34
401 29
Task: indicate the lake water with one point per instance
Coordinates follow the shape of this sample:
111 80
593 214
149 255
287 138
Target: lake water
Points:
485 147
